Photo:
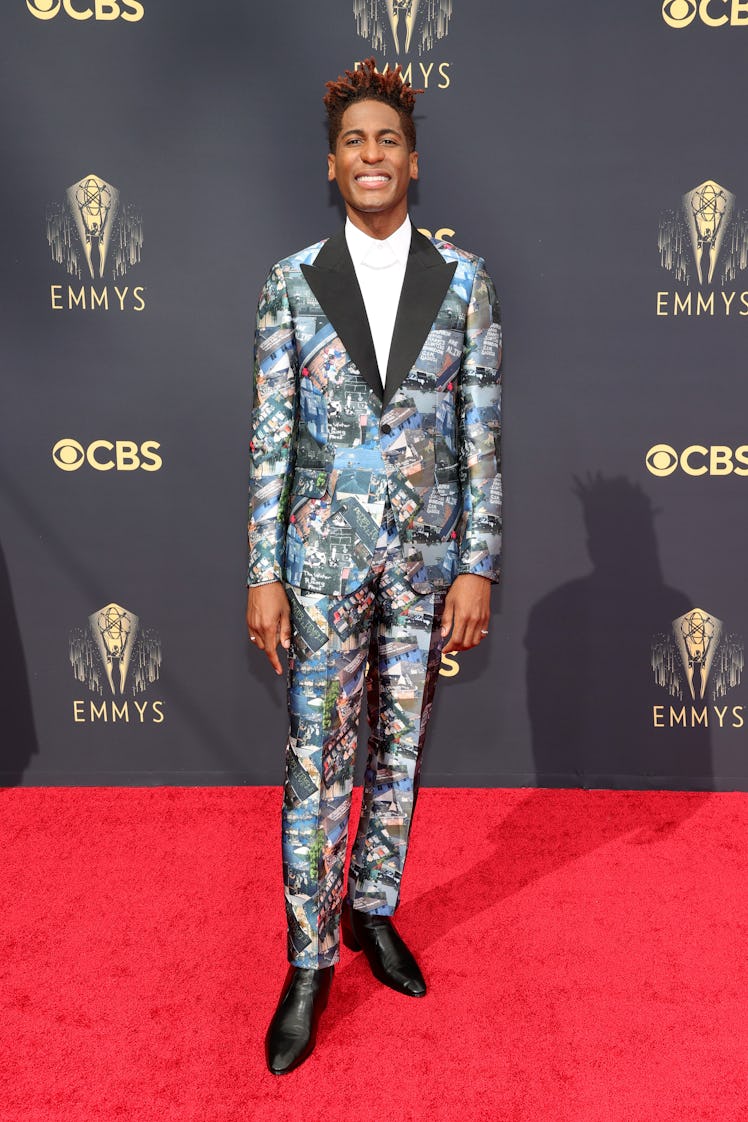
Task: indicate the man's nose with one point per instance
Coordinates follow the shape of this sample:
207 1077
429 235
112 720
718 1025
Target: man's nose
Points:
371 153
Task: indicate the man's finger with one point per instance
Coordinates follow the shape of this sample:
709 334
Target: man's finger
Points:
457 639
273 656
266 639
270 647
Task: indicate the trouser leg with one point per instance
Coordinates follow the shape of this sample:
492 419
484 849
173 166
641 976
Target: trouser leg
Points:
404 660
330 639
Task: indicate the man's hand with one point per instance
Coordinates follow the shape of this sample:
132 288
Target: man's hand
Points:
466 611
269 619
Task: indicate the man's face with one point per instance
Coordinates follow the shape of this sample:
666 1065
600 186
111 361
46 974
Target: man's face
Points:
371 162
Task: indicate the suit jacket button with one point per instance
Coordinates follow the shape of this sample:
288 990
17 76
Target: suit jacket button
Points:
386 428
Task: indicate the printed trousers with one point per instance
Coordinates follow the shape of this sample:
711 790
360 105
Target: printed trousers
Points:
398 630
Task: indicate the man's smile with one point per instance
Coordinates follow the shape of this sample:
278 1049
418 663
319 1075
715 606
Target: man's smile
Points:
372 179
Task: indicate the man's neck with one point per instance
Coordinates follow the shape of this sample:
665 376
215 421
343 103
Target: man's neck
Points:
378 226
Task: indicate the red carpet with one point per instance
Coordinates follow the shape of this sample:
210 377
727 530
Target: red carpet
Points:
586 955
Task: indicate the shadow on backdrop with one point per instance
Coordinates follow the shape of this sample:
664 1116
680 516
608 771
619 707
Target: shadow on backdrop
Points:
590 684
19 742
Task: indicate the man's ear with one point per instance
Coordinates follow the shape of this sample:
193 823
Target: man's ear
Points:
330 166
414 165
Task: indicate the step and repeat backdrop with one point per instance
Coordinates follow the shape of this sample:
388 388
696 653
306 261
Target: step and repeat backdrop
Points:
160 156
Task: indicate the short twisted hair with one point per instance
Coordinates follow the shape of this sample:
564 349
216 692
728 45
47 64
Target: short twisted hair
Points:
367 84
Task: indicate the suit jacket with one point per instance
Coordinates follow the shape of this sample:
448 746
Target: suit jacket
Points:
328 442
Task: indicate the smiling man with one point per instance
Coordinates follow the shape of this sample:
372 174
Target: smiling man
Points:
374 532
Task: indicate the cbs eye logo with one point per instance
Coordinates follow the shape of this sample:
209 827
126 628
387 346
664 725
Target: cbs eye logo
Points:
107 455
718 459
129 10
713 13
678 13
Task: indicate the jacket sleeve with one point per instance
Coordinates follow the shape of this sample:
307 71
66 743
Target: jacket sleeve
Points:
478 429
274 428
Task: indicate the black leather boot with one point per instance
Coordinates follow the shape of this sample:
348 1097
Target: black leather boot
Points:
293 1030
390 960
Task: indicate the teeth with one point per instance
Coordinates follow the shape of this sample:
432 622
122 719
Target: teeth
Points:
373 178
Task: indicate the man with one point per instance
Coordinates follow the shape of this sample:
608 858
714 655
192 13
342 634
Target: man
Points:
374 531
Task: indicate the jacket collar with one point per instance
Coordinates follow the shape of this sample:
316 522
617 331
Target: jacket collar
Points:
332 279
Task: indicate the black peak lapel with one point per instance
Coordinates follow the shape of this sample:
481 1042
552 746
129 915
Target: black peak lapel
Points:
332 279
427 278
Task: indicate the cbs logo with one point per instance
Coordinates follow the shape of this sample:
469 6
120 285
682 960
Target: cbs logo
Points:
713 13
106 455
129 10
718 459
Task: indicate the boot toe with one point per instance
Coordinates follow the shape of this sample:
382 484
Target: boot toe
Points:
291 1037
414 987
285 1056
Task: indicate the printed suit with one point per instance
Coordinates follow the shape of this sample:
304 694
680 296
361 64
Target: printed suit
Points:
367 503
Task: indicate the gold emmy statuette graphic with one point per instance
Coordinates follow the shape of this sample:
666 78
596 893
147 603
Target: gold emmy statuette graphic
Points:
114 630
708 209
93 230
412 23
115 647
697 636
706 230
94 205
699 651
406 11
